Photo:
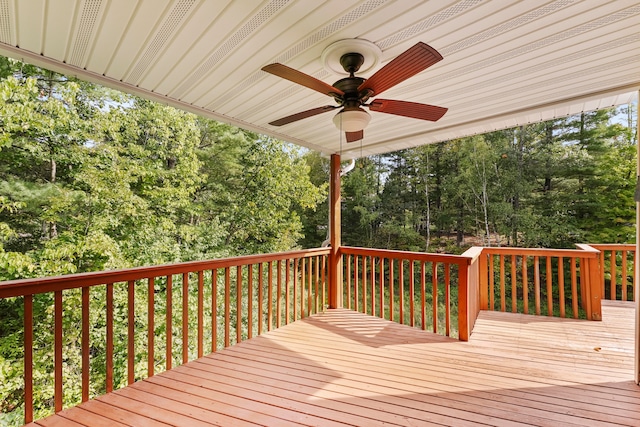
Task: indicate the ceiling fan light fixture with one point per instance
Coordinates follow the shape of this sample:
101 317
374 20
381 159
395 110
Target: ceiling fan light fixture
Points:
352 120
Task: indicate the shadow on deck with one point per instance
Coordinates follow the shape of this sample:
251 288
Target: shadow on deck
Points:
347 368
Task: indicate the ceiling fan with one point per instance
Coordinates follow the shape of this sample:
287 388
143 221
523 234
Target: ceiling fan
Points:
352 93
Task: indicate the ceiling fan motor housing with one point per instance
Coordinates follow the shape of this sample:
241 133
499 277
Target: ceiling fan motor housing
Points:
349 85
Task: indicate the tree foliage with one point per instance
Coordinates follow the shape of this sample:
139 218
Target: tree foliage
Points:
92 179
550 184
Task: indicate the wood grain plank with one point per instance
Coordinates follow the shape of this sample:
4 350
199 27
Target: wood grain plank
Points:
431 404
316 411
58 421
163 410
443 365
347 368
120 415
242 413
83 417
331 401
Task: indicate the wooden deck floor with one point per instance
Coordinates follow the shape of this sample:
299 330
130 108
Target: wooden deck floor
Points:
346 368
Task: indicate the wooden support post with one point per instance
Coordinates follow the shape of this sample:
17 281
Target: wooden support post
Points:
590 287
637 266
469 288
595 288
335 238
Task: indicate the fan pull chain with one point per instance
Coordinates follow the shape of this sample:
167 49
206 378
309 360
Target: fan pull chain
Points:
341 133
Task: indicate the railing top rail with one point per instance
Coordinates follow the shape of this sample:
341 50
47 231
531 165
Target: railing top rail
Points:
613 246
418 256
13 288
573 253
473 252
587 248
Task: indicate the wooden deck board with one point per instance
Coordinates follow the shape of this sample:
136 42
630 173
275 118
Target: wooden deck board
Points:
346 368
120 415
433 385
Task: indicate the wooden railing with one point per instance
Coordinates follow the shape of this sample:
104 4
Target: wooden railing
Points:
617 271
431 291
130 324
553 282
215 303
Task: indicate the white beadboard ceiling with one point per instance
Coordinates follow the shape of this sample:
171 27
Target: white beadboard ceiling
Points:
505 63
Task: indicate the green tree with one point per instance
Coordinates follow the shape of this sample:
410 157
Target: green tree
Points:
91 179
315 219
255 191
361 204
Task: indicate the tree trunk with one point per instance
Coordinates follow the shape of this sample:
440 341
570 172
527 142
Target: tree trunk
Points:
427 231
460 225
485 210
53 229
515 225
438 191
549 141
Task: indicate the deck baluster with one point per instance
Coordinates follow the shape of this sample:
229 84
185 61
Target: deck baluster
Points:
85 343
434 283
169 324
412 290
200 313
131 297
57 357
28 358
447 298
185 317
214 310
514 285
561 298
109 337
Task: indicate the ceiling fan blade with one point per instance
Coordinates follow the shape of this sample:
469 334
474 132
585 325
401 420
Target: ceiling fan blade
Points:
409 63
408 109
354 136
302 115
302 79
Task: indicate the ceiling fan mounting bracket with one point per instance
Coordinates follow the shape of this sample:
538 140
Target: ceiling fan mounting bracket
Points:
332 55
351 62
